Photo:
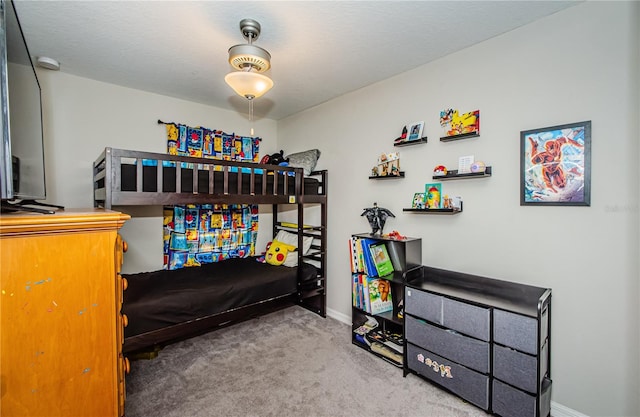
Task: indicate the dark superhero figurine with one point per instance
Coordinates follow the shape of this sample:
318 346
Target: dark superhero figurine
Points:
377 216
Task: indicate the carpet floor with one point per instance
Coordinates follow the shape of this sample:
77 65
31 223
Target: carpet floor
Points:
288 363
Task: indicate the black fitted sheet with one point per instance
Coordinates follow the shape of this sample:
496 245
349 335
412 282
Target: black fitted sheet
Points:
150 182
154 300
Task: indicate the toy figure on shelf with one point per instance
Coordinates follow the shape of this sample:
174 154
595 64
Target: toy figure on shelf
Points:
377 216
395 235
440 170
388 164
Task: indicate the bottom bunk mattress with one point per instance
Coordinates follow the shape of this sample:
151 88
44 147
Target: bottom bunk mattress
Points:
155 300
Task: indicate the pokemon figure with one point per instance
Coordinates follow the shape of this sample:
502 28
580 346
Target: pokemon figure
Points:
277 252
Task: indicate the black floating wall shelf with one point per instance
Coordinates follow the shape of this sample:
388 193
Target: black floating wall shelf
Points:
461 136
411 142
453 175
386 177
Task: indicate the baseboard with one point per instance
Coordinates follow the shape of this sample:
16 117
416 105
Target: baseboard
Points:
339 316
559 410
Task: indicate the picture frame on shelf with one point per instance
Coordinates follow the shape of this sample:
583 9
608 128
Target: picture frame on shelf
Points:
419 201
456 125
433 195
415 131
555 165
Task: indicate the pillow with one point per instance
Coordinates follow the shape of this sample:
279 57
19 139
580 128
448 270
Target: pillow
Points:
292 239
306 160
277 252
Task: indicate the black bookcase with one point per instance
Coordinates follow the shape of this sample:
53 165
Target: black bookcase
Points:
406 257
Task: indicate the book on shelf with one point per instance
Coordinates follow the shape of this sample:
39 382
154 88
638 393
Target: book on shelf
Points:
381 258
387 352
372 295
357 257
369 265
392 340
365 294
379 295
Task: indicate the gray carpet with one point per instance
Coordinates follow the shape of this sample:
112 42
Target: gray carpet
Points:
288 363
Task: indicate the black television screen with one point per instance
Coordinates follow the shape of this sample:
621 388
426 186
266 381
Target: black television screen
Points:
22 174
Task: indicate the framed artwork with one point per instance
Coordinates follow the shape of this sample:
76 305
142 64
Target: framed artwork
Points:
456 125
433 195
555 165
415 131
419 201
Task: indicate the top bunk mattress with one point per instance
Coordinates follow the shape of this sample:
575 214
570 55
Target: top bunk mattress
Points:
155 300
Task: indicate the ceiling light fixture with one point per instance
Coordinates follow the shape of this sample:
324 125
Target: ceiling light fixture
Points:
250 61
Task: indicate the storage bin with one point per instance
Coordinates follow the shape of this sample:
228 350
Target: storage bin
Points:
519 369
470 385
517 331
423 304
472 353
511 402
466 318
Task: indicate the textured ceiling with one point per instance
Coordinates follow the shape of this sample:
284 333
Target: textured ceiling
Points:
320 49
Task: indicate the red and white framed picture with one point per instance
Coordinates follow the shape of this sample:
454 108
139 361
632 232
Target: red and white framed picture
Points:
555 165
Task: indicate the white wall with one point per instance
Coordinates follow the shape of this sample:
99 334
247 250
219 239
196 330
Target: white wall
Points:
579 64
82 117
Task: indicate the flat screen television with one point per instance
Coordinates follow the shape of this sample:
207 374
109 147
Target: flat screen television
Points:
22 173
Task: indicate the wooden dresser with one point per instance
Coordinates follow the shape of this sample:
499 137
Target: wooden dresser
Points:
62 330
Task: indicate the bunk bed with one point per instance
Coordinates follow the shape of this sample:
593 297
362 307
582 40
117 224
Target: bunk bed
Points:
169 305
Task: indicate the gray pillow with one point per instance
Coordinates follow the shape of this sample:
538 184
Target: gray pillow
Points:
306 160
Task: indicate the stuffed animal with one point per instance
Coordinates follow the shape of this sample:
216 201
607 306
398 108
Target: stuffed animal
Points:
274 159
277 252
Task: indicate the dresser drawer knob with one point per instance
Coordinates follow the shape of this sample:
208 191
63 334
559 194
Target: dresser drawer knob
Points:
127 366
125 246
125 320
125 284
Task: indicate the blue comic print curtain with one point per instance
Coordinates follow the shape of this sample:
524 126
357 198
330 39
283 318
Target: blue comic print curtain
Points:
197 234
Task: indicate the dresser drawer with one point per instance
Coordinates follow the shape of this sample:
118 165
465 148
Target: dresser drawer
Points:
468 384
511 402
519 369
464 350
466 318
423 304
517 331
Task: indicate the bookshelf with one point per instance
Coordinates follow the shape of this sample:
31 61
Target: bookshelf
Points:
386 340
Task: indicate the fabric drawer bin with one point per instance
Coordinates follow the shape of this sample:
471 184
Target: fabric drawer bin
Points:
423 304
517 331
468 384
469 352
511 402
519 369
466 318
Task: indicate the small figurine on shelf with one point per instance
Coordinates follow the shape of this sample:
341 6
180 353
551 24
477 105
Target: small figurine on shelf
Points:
440 170
389 164
478 167
403 137
377 216
395 235
447 202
